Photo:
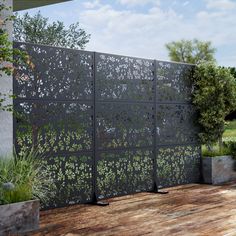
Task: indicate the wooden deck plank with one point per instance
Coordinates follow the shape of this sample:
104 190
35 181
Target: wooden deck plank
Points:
187 210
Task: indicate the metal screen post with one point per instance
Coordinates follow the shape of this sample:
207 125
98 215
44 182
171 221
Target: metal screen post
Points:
95 199
155 185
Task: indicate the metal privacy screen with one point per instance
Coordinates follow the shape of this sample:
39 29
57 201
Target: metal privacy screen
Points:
107 125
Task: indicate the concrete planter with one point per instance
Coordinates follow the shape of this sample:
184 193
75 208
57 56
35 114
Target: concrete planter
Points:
19 217
218 170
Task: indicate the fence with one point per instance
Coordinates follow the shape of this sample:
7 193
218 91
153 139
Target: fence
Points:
107 125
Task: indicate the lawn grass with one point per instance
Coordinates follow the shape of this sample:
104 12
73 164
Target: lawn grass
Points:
230 130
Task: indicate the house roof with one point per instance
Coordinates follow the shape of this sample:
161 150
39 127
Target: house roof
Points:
27 4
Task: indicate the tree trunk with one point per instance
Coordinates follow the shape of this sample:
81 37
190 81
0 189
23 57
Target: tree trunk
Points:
220 143
209 147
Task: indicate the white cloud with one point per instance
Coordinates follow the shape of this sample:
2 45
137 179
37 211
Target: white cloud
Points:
217 26
138 2
220 4
129 32
92 4
144 34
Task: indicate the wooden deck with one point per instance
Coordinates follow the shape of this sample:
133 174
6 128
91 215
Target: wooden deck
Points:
186 210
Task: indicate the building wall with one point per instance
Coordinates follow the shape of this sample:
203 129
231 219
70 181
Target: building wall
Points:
6 118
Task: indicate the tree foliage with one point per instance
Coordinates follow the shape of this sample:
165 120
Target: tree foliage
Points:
37 29
233 71
6 53
215 98
6 50
191 51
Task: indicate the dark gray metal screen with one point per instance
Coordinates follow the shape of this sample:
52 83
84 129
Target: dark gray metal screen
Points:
107 125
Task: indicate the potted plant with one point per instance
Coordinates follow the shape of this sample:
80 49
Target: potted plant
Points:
23 183
214 97
218 166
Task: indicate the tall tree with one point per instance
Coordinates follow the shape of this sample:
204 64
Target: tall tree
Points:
37 29
191 51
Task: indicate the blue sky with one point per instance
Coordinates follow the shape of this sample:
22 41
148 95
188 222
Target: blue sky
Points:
141 28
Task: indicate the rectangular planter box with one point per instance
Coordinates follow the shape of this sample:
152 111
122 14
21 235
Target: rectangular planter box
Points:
19 217
218 170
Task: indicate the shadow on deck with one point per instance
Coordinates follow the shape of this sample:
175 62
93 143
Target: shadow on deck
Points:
187 210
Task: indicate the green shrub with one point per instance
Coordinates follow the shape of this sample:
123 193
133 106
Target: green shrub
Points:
214 97
23 178
230 143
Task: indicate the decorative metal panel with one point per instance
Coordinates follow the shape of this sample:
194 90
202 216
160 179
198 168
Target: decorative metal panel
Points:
55 73
124 125
55 113
177 150
124 78
174 82
178 165
107 125
72 176
123 172
54 127
176 123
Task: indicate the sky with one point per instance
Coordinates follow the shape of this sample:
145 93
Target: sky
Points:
141 28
